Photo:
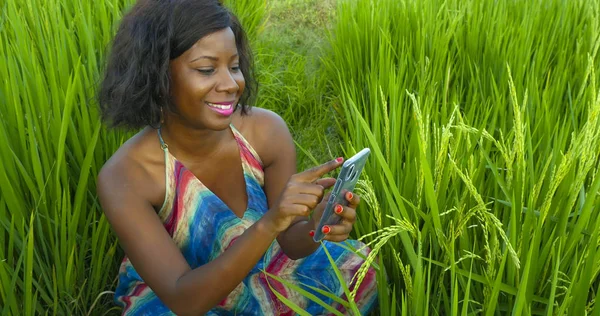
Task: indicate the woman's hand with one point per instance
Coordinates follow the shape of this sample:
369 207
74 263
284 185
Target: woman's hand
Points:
341 231
301 195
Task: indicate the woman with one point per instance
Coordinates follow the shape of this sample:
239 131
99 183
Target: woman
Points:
205 197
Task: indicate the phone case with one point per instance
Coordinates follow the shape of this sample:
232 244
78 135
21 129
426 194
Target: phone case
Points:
346 181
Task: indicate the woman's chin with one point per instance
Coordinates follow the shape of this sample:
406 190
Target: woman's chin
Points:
219 122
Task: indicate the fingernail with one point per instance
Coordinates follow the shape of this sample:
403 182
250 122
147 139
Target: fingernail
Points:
326 229
339 159
311 233
338 208
349 195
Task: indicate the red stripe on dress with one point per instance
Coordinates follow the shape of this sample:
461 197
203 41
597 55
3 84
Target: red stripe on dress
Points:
277 263
249 157
247 153
136 292
139 289
277 305
231 242
127 300
175 215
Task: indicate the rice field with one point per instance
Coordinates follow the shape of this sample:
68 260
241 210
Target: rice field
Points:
482 192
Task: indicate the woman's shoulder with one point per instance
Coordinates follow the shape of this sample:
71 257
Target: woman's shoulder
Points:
259 120
265 130
138 165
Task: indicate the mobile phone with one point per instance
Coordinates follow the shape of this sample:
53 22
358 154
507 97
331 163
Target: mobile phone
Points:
346 181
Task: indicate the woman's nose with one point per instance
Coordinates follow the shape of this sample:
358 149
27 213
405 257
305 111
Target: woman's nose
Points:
227 82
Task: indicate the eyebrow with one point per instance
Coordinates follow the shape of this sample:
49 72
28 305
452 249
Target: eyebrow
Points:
211 58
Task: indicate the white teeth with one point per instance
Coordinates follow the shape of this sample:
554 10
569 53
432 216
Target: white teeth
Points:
219 106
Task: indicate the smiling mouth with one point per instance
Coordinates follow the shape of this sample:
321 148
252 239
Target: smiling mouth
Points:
223 108
220 106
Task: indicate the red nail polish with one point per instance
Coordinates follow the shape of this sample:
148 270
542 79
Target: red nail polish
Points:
311 233
339 159
349 195
326 229
338 209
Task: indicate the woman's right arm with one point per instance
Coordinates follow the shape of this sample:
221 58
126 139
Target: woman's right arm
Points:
160 262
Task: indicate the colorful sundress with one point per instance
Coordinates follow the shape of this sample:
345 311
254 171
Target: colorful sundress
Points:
203 227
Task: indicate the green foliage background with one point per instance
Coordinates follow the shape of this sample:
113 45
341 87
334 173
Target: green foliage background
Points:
481 194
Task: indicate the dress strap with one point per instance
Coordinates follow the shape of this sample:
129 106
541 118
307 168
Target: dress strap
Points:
163 145
168 173
241 140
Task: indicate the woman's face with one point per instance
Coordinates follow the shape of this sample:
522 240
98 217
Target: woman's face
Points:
206 82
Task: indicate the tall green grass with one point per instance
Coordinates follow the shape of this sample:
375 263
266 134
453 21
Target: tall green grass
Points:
57 253
288 54
55 246
483 122
481 194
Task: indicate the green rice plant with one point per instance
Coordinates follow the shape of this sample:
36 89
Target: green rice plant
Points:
57 253
55 245
482 121
482 118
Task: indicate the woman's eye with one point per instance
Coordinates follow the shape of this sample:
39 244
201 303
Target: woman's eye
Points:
205 71
235 68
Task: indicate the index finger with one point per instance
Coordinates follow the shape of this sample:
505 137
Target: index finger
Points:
314 173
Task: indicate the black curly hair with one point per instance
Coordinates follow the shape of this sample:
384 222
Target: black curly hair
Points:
136 81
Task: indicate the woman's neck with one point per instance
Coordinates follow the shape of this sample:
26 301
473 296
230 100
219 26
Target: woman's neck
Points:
189 144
